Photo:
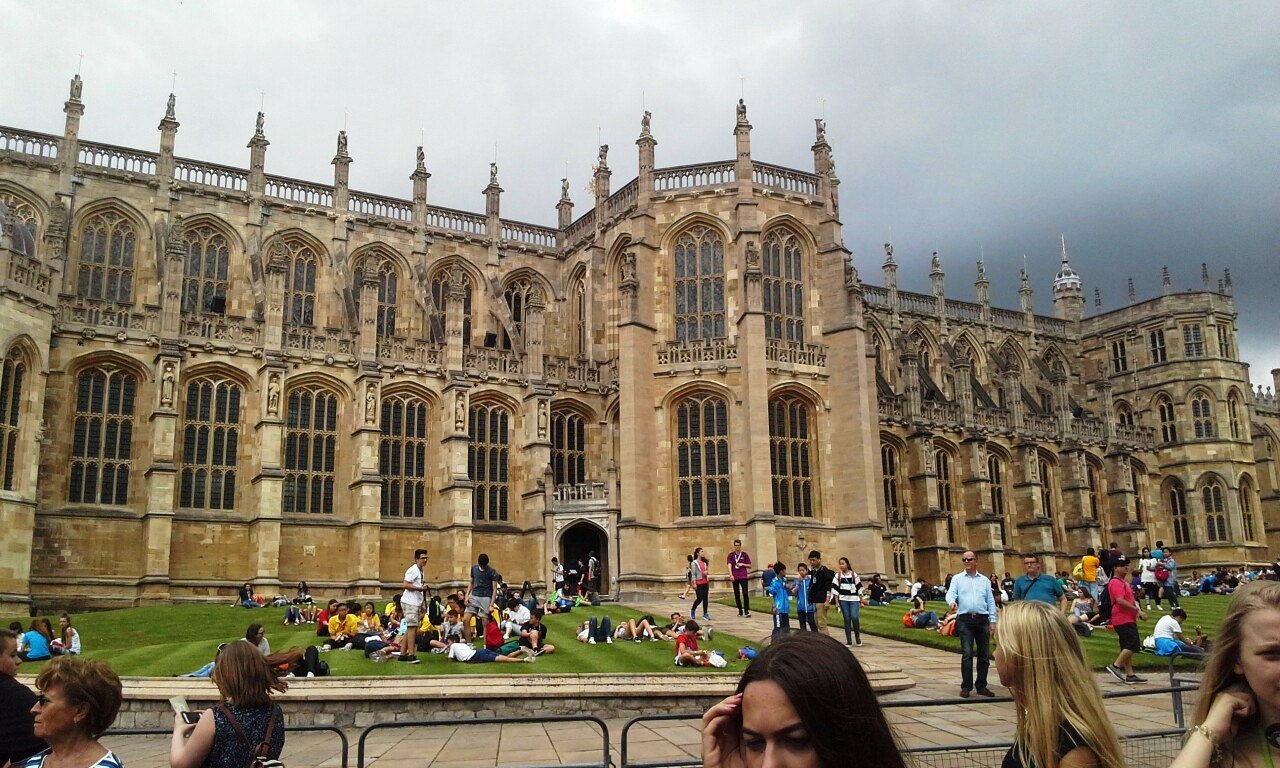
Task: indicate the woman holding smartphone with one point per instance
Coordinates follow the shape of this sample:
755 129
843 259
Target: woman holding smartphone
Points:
228 734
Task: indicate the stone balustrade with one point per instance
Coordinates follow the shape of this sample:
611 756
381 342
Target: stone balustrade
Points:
697 351
694 177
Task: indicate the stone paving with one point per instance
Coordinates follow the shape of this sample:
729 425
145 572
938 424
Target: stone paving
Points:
936 674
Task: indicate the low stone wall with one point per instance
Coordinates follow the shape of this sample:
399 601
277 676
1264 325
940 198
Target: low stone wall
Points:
349 702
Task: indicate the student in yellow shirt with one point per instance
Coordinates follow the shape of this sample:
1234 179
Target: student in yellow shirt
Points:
342 630
1089 572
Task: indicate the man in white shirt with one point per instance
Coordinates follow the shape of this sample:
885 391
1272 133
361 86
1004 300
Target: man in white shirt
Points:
514 616
411 602
1169 637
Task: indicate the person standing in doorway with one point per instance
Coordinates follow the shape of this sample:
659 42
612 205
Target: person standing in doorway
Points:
820 588
701 585
412 602
593 573
483 577
1124 620
970 597
739 570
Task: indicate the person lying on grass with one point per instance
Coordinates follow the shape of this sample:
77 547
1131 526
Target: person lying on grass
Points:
465 653
635 630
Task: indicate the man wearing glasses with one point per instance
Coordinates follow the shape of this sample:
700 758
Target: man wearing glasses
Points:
970 597
1036 585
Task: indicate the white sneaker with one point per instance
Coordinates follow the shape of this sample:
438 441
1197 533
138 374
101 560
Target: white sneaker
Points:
609 640
311 674
592 641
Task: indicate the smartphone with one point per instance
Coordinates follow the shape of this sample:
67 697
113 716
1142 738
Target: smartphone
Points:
190 718
179 703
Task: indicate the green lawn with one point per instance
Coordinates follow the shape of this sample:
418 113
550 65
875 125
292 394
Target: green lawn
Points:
160 641
886 621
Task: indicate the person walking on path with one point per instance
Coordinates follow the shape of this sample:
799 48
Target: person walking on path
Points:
1124 620
698 574
1150 587
970 597
412 602
820 588
848 588
1171 588
1036 585
739 563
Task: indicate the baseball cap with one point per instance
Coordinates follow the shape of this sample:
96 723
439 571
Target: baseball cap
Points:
1121 560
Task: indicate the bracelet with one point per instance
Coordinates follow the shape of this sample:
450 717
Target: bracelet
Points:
1210 737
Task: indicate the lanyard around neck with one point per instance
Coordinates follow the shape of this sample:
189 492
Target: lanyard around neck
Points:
1266 748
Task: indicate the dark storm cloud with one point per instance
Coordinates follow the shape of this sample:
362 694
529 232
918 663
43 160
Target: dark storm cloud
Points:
1146 133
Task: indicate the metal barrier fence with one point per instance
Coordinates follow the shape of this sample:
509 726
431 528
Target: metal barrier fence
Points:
1177 682
604 733
1141 749
342 737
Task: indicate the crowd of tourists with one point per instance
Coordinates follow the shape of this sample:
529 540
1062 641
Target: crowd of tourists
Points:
800 679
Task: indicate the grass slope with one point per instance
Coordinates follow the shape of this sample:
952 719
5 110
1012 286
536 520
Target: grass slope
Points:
160 641
1101 648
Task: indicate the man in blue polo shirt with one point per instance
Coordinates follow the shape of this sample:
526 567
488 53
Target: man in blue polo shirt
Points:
1035 585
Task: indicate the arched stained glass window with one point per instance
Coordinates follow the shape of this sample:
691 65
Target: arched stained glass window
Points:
13 373
439 308
311 450
783 287
300 285
402 456
102 436
891 485
568 448
1202 416
204 278
1178 513
702 455
1168 420
699 285
388 293
108 245
488 455
790 449
1215 511
210 441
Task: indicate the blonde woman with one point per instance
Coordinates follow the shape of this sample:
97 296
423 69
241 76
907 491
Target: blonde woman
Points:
1238 705
1068 726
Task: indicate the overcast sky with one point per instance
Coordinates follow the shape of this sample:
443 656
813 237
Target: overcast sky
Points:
1146 133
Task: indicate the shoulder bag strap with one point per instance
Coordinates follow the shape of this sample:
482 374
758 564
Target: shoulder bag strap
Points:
265 747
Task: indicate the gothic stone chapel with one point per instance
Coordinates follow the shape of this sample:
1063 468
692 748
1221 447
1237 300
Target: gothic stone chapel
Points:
214 375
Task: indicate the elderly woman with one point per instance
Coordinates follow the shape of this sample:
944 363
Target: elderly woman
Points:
245 681
79 699
17 737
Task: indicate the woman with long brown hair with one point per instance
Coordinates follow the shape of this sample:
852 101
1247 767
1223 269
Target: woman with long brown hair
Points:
1238 706
228 734
1061 718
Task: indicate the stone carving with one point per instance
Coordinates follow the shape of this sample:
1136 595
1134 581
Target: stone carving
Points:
258 125
542 419
821 126
753 255
168 110
564 189
460 412
342 143
493 174
928 458
629 267
935 265
742 111
888 253
273 395
168 383
422 159
603 159
644 123
982 270
370 403
850 273
77 86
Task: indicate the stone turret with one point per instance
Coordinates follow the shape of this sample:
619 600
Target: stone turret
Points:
1068 291
258 158
168 136
646 144
419 178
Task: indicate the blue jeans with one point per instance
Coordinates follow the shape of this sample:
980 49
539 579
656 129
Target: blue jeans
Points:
249 604
974 629
852 626
926 620
601 631
781 624
205 671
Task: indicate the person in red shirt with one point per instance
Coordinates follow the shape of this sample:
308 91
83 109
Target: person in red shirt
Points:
492 636
687 653
1124 620
322 621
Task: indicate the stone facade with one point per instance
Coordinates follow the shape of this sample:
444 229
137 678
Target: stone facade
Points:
231 376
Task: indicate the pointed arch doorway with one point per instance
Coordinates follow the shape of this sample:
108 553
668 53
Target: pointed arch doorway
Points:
577 541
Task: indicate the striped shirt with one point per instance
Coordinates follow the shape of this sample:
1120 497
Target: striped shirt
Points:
108 760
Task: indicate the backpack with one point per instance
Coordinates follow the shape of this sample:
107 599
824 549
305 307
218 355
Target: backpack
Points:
1162 572
1078 571
1104 603
260 752
435 612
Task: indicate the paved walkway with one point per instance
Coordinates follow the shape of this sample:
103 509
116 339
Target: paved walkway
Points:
452 745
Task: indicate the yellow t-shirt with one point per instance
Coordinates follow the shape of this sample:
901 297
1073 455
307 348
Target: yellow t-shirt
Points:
338 627
1090 567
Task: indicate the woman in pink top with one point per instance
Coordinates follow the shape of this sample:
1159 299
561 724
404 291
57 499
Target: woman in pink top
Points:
698 570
